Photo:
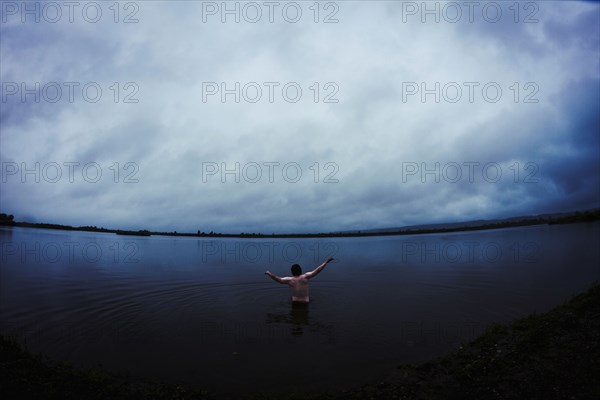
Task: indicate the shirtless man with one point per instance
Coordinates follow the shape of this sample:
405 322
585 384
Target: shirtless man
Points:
299 282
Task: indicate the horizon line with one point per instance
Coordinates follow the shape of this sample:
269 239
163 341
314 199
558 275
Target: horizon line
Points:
592 214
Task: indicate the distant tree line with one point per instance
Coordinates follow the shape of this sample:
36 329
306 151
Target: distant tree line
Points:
579 216
6 219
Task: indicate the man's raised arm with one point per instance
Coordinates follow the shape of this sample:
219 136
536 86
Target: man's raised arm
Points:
277 278
312 274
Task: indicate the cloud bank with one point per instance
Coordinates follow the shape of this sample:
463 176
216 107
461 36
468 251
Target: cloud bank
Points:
296 118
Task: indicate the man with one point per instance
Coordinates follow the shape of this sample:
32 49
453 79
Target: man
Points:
299 282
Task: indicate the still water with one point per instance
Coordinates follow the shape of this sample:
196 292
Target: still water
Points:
201 311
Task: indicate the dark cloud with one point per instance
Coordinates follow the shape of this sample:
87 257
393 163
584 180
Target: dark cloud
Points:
371 134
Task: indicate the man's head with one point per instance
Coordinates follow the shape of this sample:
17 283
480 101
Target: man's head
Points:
296 270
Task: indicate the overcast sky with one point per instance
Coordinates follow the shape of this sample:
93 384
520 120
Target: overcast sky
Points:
206 123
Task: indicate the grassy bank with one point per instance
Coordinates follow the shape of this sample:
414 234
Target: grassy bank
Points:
554 355
32 376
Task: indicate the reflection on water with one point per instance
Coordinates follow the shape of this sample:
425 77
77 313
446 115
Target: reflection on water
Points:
296 318
201 312
299 317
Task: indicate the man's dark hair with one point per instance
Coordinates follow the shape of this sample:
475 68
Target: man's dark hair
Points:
296 270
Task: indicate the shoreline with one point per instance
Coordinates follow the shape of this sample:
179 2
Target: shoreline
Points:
575 217
554 354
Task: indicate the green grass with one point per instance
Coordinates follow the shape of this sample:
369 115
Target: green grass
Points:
554 355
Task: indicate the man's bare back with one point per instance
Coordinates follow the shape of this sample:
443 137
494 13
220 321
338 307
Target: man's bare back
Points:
299 281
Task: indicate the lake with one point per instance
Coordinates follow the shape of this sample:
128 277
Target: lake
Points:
201 312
